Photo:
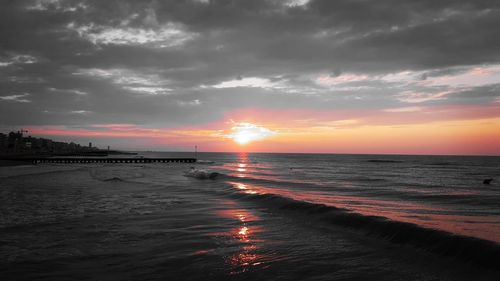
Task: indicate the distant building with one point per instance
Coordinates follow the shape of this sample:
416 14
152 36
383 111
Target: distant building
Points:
16 143
3 142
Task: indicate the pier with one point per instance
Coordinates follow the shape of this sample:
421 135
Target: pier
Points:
86 160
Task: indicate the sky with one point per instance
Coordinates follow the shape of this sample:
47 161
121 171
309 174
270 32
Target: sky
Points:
317 76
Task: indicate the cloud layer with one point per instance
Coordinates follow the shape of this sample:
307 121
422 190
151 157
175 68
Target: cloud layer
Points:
184 64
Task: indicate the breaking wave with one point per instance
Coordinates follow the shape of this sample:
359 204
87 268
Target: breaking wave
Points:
482 252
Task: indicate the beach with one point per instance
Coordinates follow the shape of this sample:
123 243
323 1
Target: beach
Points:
257 221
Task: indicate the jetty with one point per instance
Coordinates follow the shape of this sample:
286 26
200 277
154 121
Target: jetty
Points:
86 160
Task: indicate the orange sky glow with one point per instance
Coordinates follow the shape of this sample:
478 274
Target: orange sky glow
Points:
446 130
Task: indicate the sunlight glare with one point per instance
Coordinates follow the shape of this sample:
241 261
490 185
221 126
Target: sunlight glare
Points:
244 133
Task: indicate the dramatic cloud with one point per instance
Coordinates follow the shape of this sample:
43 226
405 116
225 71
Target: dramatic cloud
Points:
191 64
166 36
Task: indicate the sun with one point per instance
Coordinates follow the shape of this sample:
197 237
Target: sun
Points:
242 138
244 133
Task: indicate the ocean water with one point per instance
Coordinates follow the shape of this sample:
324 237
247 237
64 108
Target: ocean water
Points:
265 217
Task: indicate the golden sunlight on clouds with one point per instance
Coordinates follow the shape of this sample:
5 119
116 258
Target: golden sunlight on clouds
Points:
243 133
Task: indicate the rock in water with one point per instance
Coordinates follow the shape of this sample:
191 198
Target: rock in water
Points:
487 181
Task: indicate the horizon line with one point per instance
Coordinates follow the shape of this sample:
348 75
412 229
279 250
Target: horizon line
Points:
322 153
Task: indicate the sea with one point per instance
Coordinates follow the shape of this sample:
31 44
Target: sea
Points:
261 216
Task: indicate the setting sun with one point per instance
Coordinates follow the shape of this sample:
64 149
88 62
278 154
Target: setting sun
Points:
244 133
242 138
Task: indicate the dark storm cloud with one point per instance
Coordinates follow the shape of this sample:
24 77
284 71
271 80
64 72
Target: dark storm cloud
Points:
166 62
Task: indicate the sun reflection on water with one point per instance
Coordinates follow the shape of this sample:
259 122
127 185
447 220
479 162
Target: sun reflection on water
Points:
248 255
244 187
243 231
241 167
245 236
243 260
242 164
